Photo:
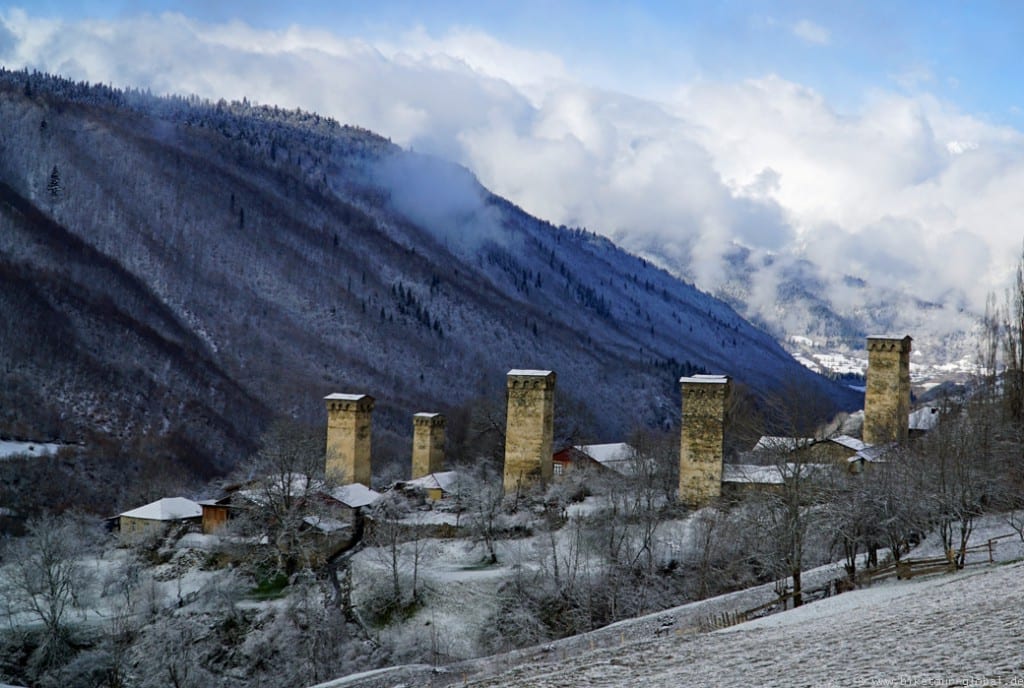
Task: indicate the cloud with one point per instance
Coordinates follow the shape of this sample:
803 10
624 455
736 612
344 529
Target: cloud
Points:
884 192
810 32
442 197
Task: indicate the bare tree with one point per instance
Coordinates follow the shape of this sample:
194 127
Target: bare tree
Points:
396 535
788 510
1013 348
285 495
481 495
964 472
45 581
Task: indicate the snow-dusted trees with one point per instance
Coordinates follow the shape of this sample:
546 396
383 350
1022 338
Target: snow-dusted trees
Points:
53 185
481 494
44 582
787 514
282 499
395 533
963 471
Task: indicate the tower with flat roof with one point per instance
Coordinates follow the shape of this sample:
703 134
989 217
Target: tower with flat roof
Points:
529 431
702 443
349 421
427 444
887 398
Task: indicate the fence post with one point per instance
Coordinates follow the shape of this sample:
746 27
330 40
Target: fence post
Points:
990 558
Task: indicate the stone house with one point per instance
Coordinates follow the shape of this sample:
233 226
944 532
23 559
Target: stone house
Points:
159 514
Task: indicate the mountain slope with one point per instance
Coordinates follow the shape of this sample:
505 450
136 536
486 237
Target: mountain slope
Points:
283 256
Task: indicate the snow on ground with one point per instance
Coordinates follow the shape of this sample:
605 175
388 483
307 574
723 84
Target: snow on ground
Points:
960 629
10 449
460 593
937 631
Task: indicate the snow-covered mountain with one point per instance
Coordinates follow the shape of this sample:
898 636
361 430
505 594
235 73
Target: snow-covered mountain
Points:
184 271
823 318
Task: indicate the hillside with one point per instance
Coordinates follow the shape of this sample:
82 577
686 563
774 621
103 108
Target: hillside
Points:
900 632
896 631
186 270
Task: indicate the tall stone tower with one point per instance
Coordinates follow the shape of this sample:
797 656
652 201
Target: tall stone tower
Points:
530 429
887 400
702 445
349 420
427 444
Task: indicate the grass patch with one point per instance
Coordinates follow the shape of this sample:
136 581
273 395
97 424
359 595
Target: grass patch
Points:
270 588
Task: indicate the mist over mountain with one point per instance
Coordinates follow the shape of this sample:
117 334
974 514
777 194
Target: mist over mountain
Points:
797 300
186 271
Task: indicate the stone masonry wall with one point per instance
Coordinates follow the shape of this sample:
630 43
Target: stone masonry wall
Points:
349 422
530 428
427 444
887 399
702 444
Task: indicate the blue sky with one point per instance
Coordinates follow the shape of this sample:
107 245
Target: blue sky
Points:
873 139
965 52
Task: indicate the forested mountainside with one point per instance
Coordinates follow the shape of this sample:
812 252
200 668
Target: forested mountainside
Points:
184 271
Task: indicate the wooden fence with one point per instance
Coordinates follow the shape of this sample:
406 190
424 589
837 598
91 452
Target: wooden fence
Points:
782 602
905 569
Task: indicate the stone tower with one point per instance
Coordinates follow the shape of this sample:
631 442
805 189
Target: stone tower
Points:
887 399
427 444
702 444
349 420
529 432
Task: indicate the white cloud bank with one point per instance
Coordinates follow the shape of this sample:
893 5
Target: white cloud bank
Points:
907 191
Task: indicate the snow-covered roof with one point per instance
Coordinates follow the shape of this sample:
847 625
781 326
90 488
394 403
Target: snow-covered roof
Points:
337 396
443 480
427 415
259 491
872 453
747 473
616 455
776 442
355 495
534 373
706 379
924 418
767 475
166 509
849 442
325 524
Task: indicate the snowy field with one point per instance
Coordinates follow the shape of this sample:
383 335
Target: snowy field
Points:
964 629
960 629
11 449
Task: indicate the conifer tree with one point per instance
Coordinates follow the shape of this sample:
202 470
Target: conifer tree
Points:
54 186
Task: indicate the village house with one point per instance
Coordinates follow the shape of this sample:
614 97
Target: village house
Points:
433 486
616 456
159 514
